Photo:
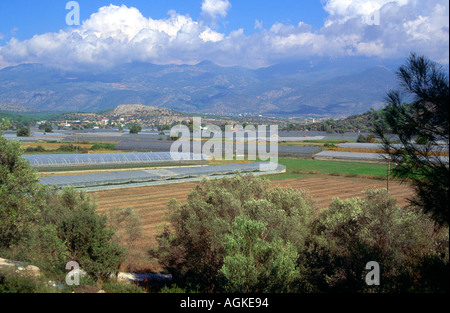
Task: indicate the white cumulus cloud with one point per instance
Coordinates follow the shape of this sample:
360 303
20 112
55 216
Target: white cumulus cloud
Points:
120 34
215 8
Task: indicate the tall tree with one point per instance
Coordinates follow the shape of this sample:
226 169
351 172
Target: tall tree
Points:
425 119
21 197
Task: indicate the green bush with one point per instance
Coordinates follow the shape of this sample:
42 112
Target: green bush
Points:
118 287
48 228
351 233
135 129
23 132
86 234
103 146
193 250
361 138
45 249
69 148
254 264
16 283
173 289
46 127
239 235
39 148
21 196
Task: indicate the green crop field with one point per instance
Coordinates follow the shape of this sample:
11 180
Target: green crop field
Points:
298 168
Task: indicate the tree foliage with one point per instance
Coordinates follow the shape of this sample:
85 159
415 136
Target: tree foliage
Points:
135 129
254 264
424 120
87 235
46 127
21 197
351 233
23 131
240 235
219 211
48 227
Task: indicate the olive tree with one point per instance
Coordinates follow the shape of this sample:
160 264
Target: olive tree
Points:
206 238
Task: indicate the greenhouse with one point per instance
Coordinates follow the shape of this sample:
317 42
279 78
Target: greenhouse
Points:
351 156
112 160
367 157
133 178
379 146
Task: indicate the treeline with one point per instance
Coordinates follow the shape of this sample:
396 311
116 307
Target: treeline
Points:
70 147
28 119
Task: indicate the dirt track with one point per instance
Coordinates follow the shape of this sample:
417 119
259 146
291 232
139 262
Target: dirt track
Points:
150 202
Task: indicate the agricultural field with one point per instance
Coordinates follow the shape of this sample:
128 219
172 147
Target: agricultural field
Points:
150 202
325 180
299 168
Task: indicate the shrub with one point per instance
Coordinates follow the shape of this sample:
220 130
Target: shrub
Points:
39 148
46 127
21 197
103 146
370 138
172 289
16 283
127 226
69 148
253 264
192 249
46 227
351 233
118 287
45 250
135 129
361 138
23 132
88 238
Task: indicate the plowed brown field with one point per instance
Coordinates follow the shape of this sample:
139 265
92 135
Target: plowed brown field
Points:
150 203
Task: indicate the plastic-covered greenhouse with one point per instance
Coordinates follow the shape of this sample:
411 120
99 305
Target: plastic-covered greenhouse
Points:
129 178
366 157
99 160
378 146
351 156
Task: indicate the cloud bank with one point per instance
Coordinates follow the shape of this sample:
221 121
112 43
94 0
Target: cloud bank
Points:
121 34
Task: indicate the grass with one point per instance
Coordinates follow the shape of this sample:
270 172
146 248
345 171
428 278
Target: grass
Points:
300 168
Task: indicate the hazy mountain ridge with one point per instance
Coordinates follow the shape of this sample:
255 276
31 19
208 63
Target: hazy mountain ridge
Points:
346 87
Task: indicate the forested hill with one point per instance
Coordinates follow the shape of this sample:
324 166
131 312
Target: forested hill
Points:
360 122
364 122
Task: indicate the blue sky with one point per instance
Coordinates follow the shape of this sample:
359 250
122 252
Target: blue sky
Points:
251 33
25 18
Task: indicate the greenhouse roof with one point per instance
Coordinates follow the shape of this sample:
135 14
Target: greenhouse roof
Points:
49 160
163 174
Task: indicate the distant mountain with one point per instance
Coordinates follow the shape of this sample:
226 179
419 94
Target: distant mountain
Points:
321 87
14 108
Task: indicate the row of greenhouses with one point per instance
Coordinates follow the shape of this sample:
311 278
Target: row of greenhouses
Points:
119 160
365 157
159 175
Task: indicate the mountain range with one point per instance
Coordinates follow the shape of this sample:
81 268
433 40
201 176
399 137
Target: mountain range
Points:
318 87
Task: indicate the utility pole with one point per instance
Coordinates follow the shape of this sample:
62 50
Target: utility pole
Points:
388 171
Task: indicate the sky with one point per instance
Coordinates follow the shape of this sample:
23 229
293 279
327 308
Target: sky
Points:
249 33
